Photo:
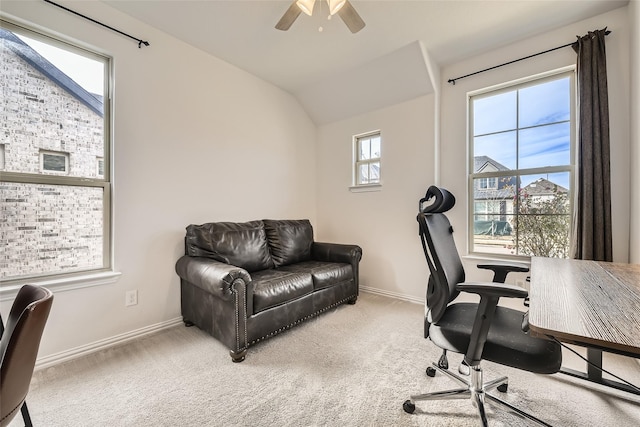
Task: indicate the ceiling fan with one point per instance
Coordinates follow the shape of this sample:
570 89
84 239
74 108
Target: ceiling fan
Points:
343 8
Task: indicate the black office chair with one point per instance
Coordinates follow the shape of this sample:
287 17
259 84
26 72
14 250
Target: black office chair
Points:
19 347
481 330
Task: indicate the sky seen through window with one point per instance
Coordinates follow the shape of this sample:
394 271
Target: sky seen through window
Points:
526 128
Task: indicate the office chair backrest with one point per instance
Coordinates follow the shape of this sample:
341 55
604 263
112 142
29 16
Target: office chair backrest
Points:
440 251
19 347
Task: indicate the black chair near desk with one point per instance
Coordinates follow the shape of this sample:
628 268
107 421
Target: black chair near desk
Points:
19 348
479 331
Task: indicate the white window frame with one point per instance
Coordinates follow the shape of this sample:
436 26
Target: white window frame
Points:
490 183
569 71
357 162
65 157
86 277
100 165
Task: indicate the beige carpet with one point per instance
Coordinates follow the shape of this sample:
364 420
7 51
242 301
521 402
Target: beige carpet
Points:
353 366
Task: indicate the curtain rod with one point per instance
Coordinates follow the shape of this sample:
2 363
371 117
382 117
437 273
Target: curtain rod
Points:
140 41
453 81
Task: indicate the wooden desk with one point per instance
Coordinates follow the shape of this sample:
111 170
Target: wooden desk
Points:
589 303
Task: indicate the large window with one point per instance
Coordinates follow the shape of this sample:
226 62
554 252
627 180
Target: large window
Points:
367 159
55 200
522 167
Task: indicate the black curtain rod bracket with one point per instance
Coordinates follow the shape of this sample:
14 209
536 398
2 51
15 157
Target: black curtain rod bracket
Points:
140 41
453 81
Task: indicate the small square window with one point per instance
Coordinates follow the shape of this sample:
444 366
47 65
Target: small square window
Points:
54 162
367 159
100 167
488 183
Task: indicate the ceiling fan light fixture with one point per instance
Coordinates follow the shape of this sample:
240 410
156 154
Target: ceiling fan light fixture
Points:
306 6
342 8
335 5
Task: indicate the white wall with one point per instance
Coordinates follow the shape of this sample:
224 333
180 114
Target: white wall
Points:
382 222
454 113
195 140
634 53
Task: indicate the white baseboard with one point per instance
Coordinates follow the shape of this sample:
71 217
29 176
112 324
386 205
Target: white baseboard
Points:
64 356
390 294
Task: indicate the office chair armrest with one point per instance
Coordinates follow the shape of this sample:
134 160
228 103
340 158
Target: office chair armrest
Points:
493 290
489 293
501 269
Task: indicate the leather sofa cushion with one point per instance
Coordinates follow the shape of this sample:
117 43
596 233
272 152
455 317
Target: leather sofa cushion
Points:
324 274
289 240
274 287
241 244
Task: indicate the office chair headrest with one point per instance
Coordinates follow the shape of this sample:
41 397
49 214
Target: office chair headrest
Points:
443 202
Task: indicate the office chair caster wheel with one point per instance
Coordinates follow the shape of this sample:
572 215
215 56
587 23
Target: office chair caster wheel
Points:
464 369
408 407
431 372
503 387
443 362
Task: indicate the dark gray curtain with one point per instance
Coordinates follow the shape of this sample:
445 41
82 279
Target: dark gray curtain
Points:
592 207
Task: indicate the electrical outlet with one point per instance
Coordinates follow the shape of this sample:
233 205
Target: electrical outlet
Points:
131 298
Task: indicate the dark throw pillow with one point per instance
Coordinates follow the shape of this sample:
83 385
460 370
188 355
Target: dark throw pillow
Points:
241 244
289 240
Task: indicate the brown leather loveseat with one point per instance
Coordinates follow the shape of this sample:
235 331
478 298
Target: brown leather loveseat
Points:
245 282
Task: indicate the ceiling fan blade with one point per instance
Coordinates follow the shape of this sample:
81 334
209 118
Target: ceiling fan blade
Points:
351 18
289 17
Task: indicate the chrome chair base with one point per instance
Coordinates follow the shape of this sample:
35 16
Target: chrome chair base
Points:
475 389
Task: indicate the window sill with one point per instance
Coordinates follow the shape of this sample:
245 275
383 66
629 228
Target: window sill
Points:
365 188
62 284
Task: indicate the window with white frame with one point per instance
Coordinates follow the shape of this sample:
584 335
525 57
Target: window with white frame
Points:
54 162
484 183
55 203
521 167
367 157
100 167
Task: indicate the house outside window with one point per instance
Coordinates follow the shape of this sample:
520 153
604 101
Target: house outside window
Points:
521 167
54 204
367 158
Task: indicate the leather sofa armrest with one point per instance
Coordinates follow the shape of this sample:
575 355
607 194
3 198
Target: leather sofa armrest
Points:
212 276
336 252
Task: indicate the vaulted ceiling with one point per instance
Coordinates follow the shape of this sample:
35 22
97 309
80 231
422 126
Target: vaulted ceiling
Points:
336 74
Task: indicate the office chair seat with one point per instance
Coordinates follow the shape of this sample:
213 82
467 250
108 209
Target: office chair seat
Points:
506 343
